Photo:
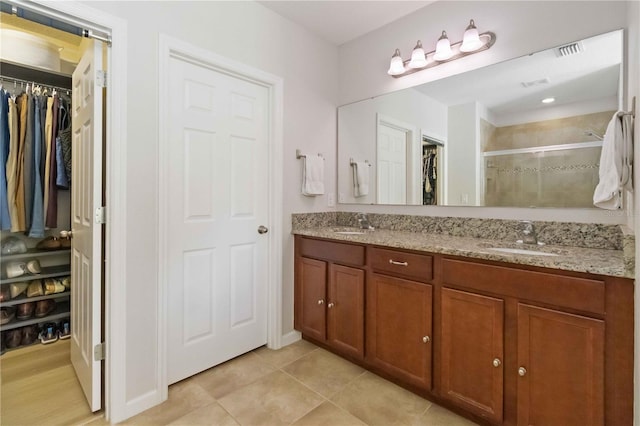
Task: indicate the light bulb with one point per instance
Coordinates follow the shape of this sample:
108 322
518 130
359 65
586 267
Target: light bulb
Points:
396 66
471 40
443 48
418 58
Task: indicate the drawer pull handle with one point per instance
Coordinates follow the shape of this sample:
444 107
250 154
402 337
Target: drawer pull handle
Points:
426 339
497 362
393 262
320 302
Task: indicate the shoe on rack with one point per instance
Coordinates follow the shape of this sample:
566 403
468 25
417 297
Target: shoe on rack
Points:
45 307
52 286
64 329
65 242
35 289
49 333
29 334
66 282
7 314
13 338
25 310
16 289
49 243
5 293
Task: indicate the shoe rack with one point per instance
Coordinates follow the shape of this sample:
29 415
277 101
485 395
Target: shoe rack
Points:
53 264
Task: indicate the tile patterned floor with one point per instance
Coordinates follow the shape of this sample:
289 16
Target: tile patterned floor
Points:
300 384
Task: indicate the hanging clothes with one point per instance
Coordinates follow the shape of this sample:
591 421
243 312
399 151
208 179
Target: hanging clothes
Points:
5 219
22 126
29 182
51 218
37 211
12 165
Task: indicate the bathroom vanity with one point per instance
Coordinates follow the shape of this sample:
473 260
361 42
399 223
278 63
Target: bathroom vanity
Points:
501 337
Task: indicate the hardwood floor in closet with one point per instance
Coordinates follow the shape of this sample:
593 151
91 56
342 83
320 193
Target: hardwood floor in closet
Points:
39 387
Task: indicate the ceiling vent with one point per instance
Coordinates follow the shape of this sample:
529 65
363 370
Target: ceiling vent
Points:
535 82
570 49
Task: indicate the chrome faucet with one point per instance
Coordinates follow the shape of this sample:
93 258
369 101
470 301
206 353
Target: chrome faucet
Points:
363 221
528 233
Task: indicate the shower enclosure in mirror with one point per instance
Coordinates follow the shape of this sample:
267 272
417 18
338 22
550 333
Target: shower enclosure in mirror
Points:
522 133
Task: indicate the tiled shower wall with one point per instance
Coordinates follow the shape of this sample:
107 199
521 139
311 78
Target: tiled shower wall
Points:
565 178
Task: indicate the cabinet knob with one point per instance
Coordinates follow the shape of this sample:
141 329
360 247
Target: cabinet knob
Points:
496 362
426 339
330 305
320 302
522 371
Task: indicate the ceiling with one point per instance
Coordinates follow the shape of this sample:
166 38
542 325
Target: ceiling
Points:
590 75
340 21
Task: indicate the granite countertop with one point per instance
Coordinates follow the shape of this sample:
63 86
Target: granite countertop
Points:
595 261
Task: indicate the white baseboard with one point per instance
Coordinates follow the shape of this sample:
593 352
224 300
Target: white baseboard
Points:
290 337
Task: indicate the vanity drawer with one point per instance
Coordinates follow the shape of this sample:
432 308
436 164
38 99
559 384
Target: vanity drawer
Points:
417 267
570 292
346 254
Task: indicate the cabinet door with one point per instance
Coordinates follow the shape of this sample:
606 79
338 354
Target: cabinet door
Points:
345 310
313 290
472 352
561 368
399 328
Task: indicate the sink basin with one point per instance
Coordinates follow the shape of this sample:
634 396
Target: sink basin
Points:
349 232
521 251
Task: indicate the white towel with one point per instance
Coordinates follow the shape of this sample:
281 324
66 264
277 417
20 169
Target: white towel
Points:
312 175
360 178
615 163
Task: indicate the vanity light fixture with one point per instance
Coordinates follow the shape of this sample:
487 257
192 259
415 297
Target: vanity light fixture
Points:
445 51
548 100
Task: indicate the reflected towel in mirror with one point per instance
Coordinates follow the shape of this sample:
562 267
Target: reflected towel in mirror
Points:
360 178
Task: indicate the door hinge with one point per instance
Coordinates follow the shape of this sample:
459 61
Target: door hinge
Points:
99 352
101 215
101 78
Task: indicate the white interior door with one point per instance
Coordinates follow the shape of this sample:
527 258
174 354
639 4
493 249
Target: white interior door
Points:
86 253
218 192
392 165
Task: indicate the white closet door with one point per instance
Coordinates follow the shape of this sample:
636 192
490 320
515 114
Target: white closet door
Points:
392 165
218 187
86 184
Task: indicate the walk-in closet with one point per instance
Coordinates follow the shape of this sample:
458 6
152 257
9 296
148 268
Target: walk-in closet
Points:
40 182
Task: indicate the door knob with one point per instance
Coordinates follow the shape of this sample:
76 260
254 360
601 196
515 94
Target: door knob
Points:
66 234
262 229
522 371
496 362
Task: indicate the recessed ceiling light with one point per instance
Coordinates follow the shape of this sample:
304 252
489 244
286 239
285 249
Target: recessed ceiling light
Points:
548 100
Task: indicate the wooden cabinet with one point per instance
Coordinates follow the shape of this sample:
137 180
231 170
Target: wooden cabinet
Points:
399 321
506 344
330 298
472 352
560 368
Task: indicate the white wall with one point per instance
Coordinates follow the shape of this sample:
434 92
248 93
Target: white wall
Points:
521 27
358 126
245 32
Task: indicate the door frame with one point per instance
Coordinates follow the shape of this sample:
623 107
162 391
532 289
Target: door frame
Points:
170 47
115 297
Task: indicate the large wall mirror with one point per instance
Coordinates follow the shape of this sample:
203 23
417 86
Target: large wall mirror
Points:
522 133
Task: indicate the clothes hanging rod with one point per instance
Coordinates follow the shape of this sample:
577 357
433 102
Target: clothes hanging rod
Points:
20 72
299 154
6 84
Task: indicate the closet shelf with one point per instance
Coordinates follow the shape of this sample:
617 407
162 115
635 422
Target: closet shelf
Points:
62 311
48 272
21 300
35 253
